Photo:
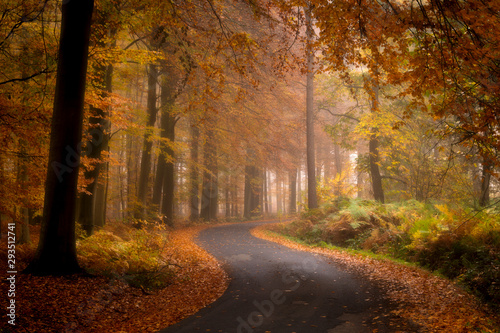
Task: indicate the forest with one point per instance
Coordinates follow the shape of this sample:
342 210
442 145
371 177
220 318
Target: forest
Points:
128 126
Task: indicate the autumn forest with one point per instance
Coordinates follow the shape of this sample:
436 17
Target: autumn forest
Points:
129 128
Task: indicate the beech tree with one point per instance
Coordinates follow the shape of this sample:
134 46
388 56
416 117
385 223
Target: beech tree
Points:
56 253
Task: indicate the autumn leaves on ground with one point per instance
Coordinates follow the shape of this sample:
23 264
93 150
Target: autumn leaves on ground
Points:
138 281
142 280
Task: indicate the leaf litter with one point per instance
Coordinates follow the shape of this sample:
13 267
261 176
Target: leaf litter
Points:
433 303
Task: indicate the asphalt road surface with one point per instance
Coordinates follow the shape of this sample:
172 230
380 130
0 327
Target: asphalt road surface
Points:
280 290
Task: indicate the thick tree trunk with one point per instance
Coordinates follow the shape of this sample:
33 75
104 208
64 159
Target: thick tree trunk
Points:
56 253
312 198
194 193
142 191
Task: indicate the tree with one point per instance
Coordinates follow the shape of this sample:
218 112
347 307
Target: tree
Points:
312 198
166 158
209 192
98 131
142 190
194 196
56 253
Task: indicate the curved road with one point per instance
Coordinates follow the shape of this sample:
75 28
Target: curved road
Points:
276 289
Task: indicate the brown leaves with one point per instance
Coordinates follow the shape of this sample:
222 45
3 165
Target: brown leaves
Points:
83 303
430 301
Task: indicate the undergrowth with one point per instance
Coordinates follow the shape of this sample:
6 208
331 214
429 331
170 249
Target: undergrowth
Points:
135 255
461 244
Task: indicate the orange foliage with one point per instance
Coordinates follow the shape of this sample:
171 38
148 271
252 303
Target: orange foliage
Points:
99 304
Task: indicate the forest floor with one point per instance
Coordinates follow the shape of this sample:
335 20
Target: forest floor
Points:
85 303
436 304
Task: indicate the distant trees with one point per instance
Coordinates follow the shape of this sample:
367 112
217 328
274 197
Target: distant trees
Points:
202 109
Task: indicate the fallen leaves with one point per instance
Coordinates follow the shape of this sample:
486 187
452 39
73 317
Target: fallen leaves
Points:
430 301
84 303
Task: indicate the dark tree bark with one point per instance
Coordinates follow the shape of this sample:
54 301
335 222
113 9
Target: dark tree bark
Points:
234 198
378 191
293 191
98 133
56 253
484 199
194 195
142 191
163 189
209 199
253 188
22 228
374 157
312 197
265 194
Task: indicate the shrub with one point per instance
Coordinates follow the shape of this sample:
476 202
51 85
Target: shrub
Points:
138 260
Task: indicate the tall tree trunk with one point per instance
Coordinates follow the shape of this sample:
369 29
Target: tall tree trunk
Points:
299 188
253 189
98 133
23 228
338 169
56 253
484 199
209 199
374 158
227 196
378 191
163 190
265 195
312 198
168 129
234 198
142 191
194 192
279 209
293 191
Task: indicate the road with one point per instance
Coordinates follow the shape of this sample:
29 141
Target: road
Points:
277 289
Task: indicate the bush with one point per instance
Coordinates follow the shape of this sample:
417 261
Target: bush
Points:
138 259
